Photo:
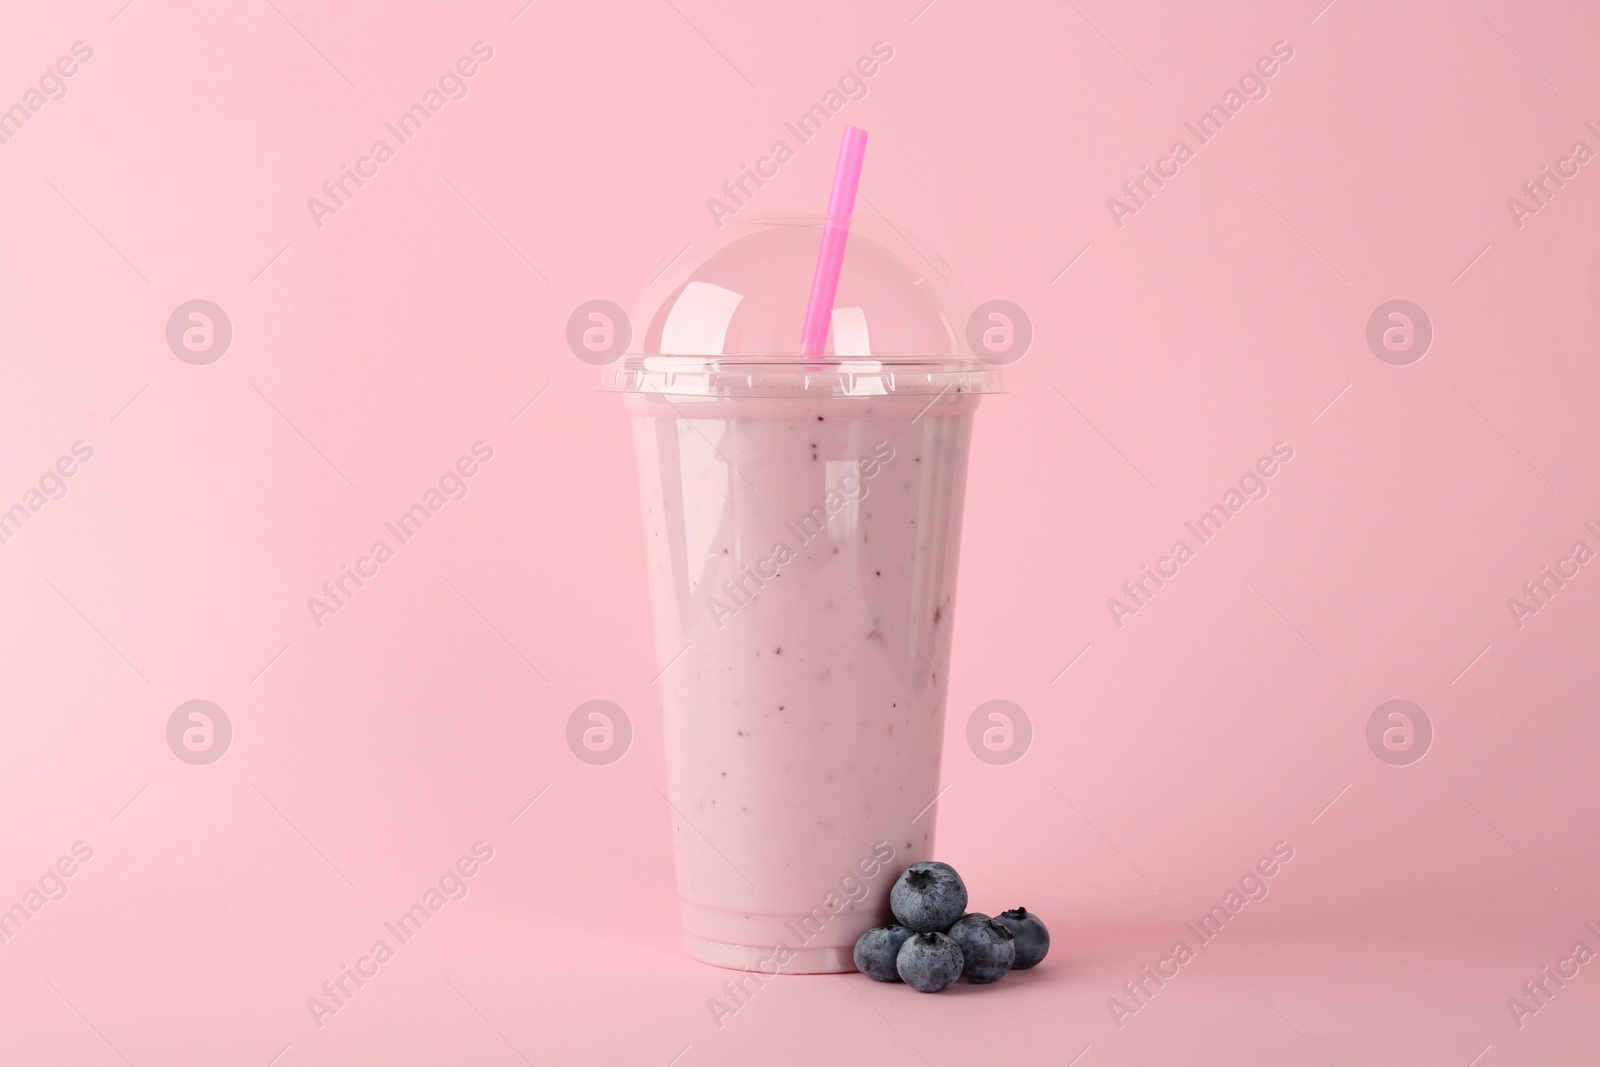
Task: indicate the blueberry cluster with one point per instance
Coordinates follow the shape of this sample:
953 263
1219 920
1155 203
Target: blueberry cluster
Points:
937 940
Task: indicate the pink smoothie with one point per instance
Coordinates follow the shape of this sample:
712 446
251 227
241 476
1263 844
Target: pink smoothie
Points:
802 553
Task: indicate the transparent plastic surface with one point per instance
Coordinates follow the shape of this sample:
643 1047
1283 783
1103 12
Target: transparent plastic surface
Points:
724 319
802 531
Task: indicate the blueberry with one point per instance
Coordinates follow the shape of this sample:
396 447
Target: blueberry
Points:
876 950
987 948
928 896
1033 940
928 962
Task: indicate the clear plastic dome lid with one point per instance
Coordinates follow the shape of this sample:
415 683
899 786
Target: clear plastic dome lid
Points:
724 318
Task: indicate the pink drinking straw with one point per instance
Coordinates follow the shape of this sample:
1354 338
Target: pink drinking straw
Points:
841 204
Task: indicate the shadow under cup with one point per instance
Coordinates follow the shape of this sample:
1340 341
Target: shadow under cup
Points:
802 524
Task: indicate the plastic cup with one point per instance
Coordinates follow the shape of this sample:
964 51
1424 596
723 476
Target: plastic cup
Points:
802 525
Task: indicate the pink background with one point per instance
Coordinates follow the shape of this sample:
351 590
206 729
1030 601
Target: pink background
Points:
369 353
